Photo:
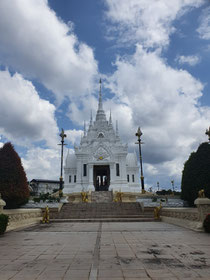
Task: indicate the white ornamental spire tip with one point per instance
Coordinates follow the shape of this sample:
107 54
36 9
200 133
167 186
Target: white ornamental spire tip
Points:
100 105
84 128
91 118
117 132
110 117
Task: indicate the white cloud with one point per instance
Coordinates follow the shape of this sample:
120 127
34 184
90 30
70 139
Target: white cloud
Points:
42 163
192 60
204 28
73 136
80 109
165 103
35 42
24 116
146 21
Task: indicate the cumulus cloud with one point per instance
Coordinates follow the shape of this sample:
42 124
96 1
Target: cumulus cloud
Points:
204 28
42 163
80 109
35 42
24 116
192 60
73 136
165 103
145 21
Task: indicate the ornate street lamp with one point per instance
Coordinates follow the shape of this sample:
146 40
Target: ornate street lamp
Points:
62 135
139 134
158 186
172 184
208 133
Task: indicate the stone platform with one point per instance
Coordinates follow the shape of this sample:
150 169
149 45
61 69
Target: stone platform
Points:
102 196
99 197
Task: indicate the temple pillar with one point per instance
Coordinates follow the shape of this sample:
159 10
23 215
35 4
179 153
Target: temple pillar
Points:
112 175
90 175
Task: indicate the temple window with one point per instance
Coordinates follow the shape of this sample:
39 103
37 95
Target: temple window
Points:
101 135
75 178
128 177
117 169
84 169
70 179
133 179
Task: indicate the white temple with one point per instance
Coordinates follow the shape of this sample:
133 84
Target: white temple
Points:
101 162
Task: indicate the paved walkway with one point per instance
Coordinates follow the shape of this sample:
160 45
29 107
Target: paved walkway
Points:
105 251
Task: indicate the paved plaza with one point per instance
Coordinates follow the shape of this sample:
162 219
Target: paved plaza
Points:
150 250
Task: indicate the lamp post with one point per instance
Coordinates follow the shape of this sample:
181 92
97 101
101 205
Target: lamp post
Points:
139 134
208 133
158 186
62 135
172 184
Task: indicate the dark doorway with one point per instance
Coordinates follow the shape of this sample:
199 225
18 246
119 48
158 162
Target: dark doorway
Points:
101 175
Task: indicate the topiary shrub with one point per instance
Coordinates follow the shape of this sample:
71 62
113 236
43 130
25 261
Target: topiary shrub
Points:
4 219
206 223
196 174
13 182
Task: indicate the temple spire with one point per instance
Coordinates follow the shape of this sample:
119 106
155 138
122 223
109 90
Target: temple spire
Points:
85 132
100 105
100 116
91 118
110 117
117 132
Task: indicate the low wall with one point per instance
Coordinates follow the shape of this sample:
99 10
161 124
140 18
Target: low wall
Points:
185 217
20 218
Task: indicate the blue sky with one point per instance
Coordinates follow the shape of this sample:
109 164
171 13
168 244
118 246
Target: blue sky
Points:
153 58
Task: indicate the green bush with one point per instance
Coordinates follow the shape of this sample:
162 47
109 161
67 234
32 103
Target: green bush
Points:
46 197
36 199
196 174
206 223
164 192
13 182
4 219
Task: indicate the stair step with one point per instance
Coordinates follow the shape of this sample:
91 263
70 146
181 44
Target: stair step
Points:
91 220
103 211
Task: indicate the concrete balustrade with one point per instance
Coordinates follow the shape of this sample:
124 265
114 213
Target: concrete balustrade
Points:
203 206
2 204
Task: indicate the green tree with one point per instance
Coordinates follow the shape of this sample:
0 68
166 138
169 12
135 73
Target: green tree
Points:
13 182
196 174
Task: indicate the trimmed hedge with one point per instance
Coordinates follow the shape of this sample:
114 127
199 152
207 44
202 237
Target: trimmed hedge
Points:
196 174
4 219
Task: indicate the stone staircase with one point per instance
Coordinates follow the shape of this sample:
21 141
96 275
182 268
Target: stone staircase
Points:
103 212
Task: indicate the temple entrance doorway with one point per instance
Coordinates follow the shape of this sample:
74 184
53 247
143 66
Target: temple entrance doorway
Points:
101 175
